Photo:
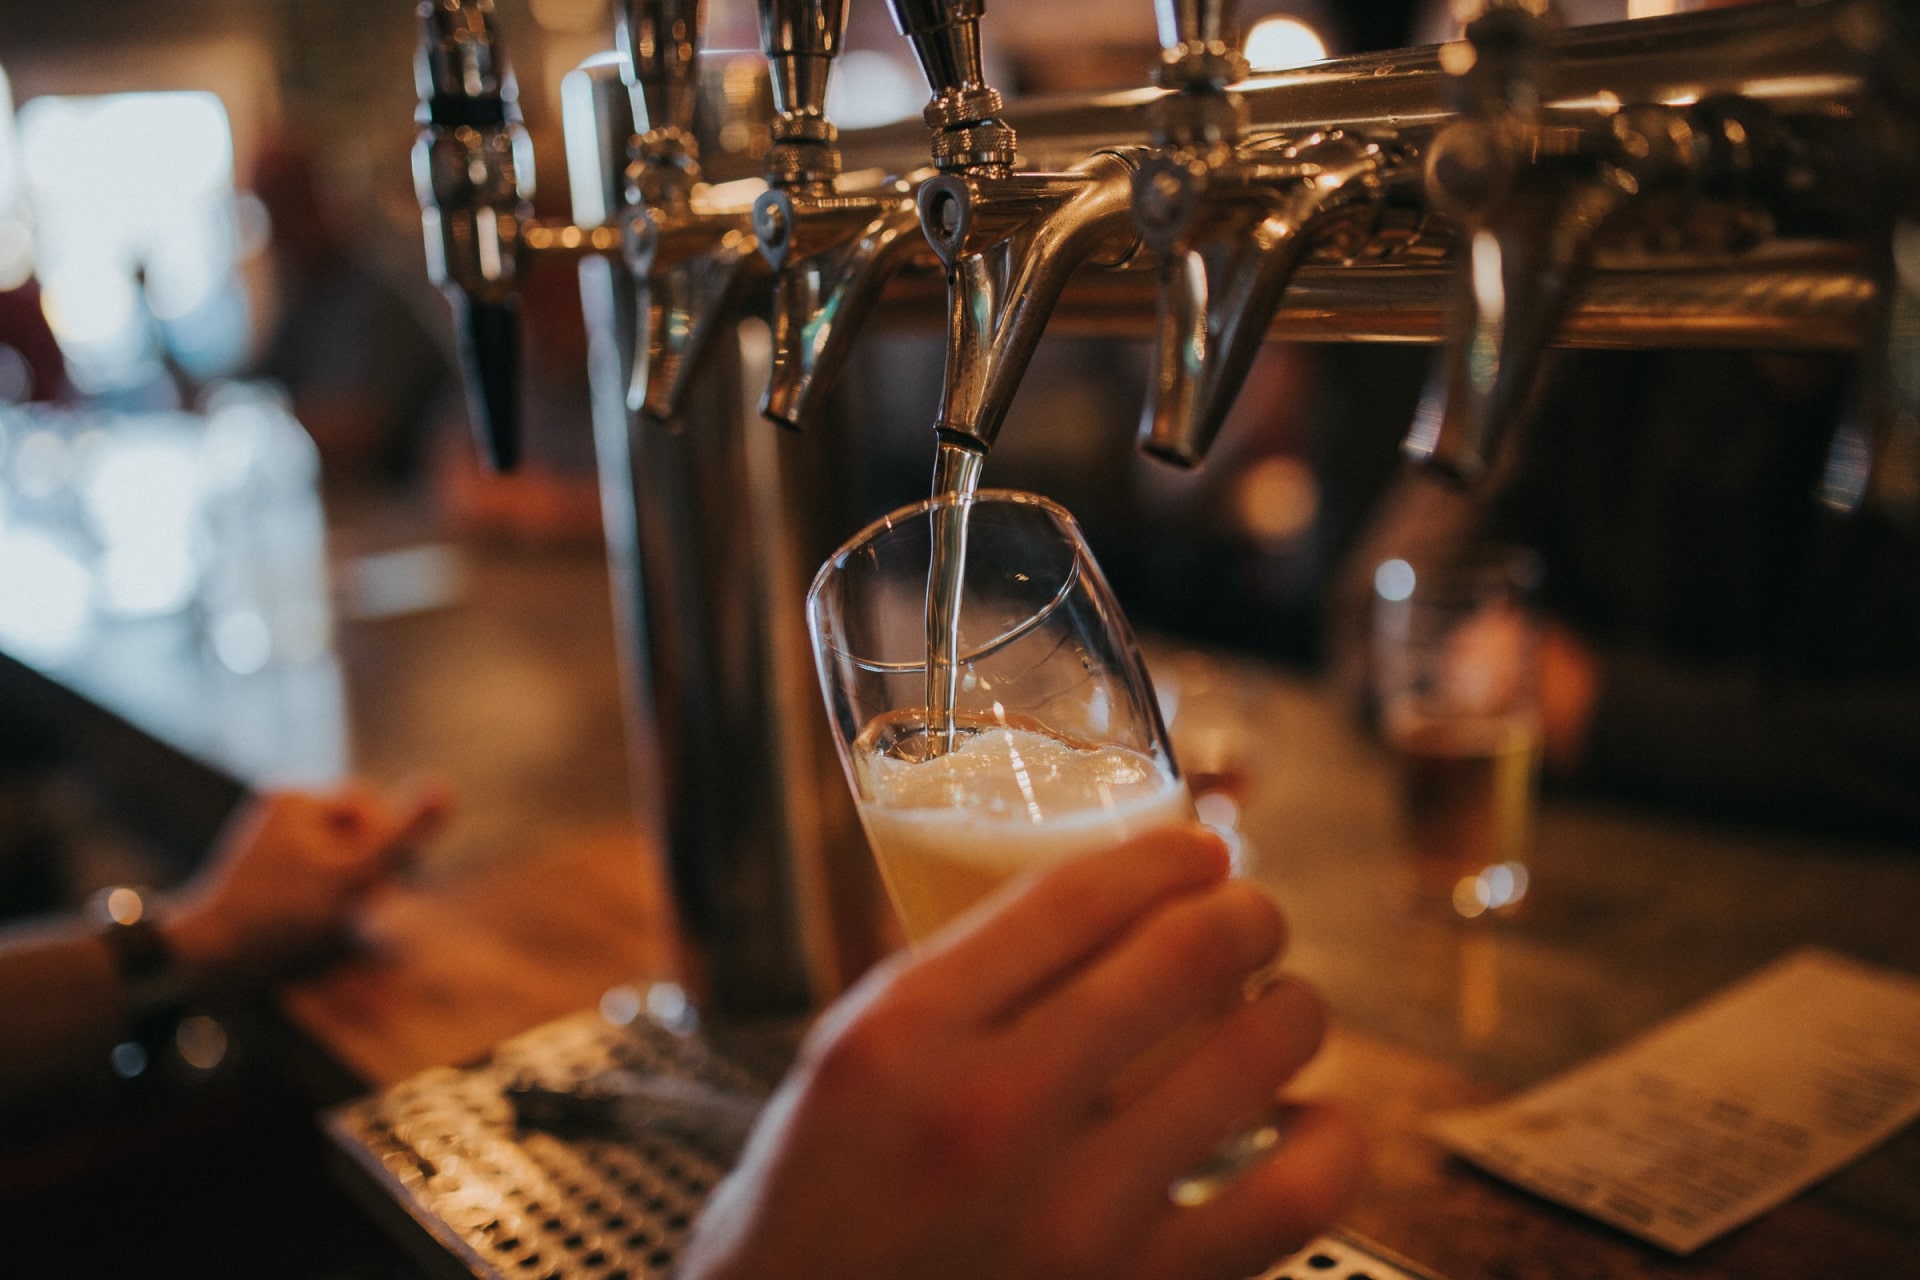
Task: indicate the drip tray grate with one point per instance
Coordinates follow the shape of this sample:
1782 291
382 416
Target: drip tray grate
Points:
581 1149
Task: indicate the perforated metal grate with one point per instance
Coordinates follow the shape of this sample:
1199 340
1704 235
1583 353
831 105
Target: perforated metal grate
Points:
1340 1256
581 1149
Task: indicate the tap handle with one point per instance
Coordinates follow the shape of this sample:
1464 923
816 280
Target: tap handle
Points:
490 356
801 38
964 112
1508 43
1198 44
467 174
661 40
459 74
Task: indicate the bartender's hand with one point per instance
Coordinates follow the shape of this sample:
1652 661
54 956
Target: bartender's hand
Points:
290 872
953 1116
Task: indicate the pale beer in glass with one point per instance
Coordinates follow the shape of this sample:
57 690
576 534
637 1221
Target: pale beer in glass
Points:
1057 746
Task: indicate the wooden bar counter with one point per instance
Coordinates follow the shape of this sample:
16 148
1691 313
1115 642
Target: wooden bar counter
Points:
548 895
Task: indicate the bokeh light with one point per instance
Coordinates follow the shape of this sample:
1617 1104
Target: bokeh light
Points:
1393 581
1274 44
137 236
871 88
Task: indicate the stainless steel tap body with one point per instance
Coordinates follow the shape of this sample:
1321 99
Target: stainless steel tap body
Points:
1800 287
714 523
1010 243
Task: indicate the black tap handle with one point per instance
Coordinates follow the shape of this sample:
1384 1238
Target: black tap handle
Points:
473 204
661 39
490 358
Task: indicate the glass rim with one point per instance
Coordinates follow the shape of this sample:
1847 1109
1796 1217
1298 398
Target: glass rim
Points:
901 515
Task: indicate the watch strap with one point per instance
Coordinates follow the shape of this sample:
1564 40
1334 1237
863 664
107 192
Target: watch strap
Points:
151 983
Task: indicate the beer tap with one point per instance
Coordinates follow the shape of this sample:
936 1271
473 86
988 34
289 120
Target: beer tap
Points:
467 171
832 252
1874 460
689 259
1230 221
472 172
1009 239
1528 208
1533 193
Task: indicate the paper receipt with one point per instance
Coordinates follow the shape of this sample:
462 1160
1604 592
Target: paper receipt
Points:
1721 1113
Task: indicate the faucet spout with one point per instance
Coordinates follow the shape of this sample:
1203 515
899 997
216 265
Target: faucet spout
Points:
832 252
1009 245
691 271
1229 239
1532 200
1894 487
1524 261
833 256
1873 463
689 263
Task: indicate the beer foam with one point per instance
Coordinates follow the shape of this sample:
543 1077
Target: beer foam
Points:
1012 797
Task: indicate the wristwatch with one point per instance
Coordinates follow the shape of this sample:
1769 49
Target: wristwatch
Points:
151 983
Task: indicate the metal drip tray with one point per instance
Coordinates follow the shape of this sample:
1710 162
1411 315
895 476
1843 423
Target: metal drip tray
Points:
581 1149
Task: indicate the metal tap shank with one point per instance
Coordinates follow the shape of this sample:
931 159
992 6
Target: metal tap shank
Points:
832 251
1010 244
689 260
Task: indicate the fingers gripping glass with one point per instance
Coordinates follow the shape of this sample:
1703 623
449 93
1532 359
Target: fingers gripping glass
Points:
1058 747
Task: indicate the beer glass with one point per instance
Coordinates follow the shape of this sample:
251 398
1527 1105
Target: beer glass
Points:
1057 745
1457 691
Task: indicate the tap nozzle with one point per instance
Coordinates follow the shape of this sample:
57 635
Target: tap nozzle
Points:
1229 239
1873 463
687 263
964 112
1009 244
832 252
833 255
1532 200
1529 200
468 166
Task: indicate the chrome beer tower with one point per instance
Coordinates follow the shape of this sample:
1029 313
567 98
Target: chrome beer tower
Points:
1744 177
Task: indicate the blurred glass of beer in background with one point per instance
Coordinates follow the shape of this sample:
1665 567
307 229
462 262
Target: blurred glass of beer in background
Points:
1455 660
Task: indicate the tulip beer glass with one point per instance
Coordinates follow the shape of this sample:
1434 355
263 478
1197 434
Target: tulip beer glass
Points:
1056 744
